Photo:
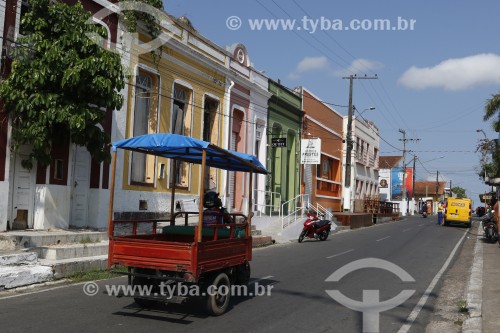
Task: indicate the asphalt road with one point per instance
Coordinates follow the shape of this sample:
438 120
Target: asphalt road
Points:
382 262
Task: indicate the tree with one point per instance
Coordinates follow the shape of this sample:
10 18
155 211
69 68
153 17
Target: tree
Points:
492 109
459 192
488 168
61 83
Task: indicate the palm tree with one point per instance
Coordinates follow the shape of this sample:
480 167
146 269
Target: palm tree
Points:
491 109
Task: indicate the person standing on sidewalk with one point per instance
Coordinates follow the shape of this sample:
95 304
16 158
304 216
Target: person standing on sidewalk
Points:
440 213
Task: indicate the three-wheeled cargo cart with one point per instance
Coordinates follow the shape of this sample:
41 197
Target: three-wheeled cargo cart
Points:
210 258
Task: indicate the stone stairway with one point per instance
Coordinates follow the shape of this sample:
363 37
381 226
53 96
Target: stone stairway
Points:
28 257
20 269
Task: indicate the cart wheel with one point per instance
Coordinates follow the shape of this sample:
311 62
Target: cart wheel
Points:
218 295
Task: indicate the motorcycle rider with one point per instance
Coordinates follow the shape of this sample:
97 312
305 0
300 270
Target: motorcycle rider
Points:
423 209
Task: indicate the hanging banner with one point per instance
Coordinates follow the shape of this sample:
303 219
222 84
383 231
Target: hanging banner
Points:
310 151
396 184
397 187
409 183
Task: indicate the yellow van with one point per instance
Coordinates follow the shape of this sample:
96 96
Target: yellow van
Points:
458 211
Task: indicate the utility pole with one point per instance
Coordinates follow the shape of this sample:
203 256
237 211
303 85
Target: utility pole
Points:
414 172
437 185
349 141
451 192
403 198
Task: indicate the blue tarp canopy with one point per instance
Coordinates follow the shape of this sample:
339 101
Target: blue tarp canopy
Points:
187 149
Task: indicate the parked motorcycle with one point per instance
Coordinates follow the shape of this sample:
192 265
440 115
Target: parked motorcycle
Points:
490 227
315 228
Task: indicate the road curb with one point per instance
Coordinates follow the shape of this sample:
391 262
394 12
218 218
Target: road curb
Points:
475 290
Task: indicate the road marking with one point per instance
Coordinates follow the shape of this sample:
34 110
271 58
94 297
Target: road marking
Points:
407 230
265 278
381 239
339 254
418 307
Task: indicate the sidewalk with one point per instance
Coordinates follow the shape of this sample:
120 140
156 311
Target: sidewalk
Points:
483 290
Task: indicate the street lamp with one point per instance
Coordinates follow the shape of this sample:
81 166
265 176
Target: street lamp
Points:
371 108
480 130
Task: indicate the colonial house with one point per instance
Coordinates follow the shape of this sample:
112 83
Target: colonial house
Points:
189 86
365 162
58 196
322 183
283 154
195 88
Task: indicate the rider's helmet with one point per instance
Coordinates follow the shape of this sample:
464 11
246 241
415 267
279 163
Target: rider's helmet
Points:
211 200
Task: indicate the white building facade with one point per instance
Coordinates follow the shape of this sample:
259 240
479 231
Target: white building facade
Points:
364 162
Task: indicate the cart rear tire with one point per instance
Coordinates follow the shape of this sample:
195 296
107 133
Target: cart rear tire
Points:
218 295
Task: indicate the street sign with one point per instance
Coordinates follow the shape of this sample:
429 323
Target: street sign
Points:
278 142
310 151
488 197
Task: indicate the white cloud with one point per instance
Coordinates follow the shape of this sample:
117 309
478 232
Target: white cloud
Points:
312 64
359 66
309 64
455 74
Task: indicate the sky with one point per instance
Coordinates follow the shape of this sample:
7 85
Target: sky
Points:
436 66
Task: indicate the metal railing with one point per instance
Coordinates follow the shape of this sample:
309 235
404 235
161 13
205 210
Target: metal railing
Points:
262 207
295 208
320 210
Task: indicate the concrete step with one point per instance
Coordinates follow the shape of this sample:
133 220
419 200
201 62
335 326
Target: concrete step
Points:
260 241
36 238
74 250
66 267
18 258
18 276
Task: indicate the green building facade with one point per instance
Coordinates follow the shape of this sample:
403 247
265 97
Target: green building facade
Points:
283 154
